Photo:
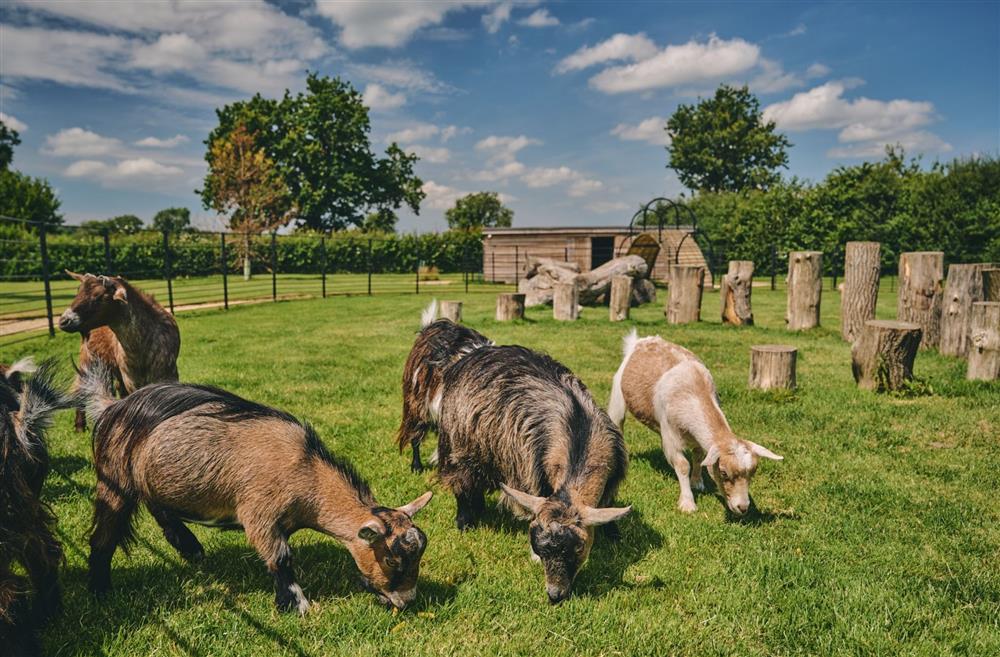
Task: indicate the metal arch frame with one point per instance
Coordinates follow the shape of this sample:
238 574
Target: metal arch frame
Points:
678 209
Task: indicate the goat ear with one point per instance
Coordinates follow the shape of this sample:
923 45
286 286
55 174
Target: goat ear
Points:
74 275
529 503
592 517
371 531
764 452
712 457
120 294
413 507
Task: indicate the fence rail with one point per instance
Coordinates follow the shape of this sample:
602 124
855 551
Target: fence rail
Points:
202 270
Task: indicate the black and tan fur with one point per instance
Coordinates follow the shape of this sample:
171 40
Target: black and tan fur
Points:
517 419
26 522
439 345
203 455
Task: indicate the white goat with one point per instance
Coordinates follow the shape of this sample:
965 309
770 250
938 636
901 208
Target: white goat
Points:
669 390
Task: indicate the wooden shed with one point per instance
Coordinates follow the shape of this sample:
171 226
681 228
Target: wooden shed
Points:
505 250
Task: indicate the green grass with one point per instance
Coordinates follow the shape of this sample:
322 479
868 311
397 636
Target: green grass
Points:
879 534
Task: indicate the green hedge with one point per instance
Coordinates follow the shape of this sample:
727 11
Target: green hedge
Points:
199 254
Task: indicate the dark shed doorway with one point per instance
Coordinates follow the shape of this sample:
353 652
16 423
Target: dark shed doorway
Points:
602 249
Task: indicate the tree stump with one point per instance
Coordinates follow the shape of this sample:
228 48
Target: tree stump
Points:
451 310
882 356
620 299
735 291
984 342
920 296
991 284
805 288
510 306
862 264
772 366
684 298
964 287
565 302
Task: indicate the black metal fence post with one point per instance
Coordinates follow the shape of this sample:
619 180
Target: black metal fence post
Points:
369 267
225 272
107 254
465 266
322 250
166 269
274 265
43 246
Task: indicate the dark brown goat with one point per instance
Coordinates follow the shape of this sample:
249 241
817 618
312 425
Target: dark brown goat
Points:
439 344
123 328
203 455
515 419
26 522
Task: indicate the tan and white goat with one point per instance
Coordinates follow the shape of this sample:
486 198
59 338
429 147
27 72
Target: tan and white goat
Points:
667 388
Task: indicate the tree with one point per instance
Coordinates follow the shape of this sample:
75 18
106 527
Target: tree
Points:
172 220
381 221
125 224
319 146
473 212
244 184
24 197
724 143
8 140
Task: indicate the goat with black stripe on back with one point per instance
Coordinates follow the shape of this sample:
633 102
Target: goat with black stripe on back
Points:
203 455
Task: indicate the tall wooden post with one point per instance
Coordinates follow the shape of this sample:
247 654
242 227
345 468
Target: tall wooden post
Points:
565 302
684 298
805 289
882 357
984 342
919 300
862 262
620 298
963 288
510 306
735 291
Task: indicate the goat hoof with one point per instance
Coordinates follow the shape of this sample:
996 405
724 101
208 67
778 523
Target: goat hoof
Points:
416 468
194 557
687 506
464 524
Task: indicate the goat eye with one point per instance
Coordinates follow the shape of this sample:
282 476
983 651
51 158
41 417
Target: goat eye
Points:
391 562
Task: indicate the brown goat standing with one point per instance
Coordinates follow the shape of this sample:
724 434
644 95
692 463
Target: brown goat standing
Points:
203 455
123 328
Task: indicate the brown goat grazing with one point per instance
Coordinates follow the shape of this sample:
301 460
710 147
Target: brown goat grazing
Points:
669 390
26 522
439 344
203 455
515 419
123 328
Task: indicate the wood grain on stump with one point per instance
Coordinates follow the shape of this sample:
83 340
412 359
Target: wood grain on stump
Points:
620 299
510 306
882 356
963 288
451 310
920 294
805 289
862 265
772 366
565 302
684 295
735 292
984 342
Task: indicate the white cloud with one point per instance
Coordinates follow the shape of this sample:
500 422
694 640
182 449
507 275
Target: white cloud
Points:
493 20
585 186
425 131
539 18
76 59
431 154
440 197
378 98
652 130
607 206
124 173
13 123
504 149
77 142
627 47
500 173
541 177
402 74
364 23
682 64
817 70
773 78
919 141
452 131
170 142
798 30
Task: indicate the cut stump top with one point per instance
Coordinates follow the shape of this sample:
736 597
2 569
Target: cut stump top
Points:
773 348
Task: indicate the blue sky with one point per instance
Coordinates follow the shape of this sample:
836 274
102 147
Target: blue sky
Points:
558 106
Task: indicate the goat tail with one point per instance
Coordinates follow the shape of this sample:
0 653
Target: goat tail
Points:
40 397
616 405
628 343
24 366
429 315
95 389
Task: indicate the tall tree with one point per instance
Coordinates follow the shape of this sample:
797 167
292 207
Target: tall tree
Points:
172 220
243 183
473 212
319 144
8 140
24 197
724 144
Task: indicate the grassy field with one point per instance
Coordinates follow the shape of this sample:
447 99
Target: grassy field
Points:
877 535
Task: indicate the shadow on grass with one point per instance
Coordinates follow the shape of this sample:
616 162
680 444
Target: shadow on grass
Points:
60 481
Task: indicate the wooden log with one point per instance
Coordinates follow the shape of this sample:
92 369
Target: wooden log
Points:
862 264
991 284
735 292
684 298
882 356
805 289
920 294
963 288
620 299
772 366
510 306
984 342
565 302
451 310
